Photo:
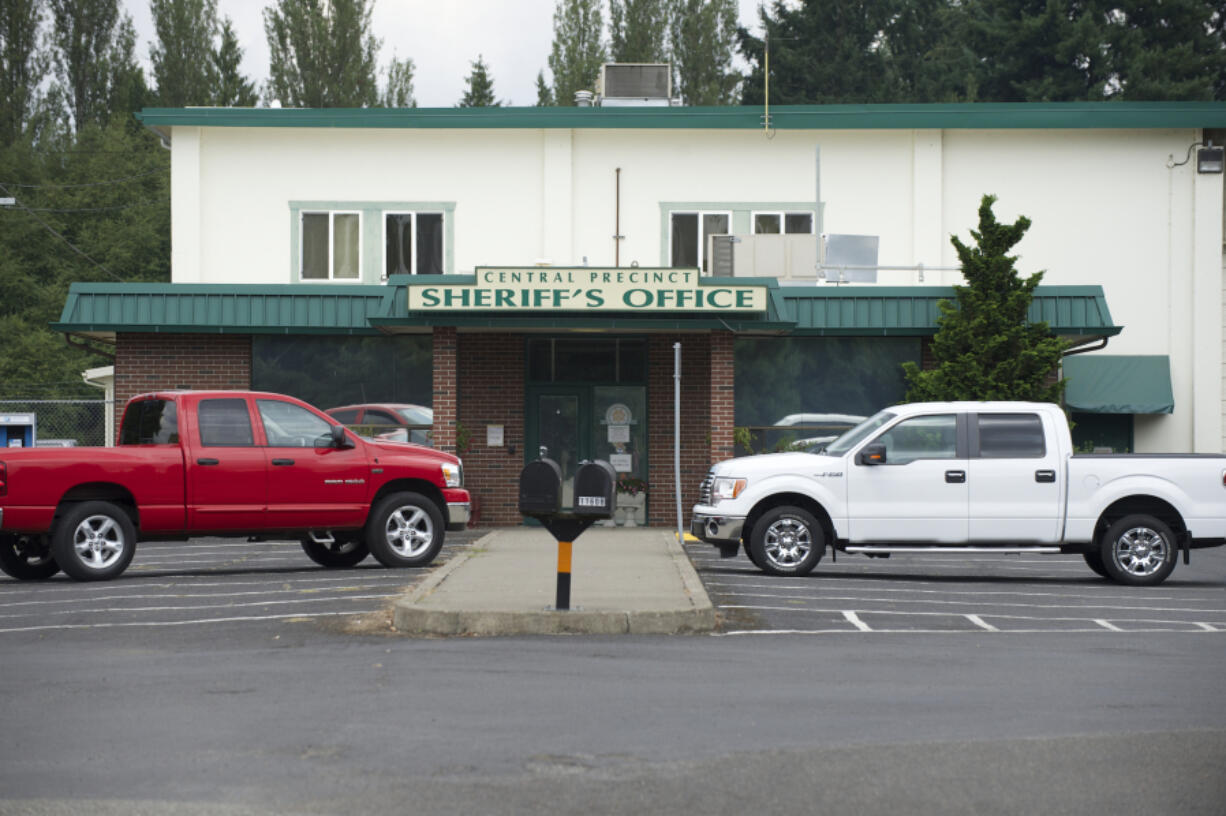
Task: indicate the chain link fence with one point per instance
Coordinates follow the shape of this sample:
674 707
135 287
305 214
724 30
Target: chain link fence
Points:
66 421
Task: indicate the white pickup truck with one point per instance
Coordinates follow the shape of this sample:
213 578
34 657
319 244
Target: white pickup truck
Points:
997 477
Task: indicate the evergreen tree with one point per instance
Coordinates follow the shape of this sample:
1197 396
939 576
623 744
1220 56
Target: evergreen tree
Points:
926 55
184 63
985 347
95 59
638 30
22 65
703 34
1034 51
821 52
578 51
232 89
544 94
1168 51
480 93
399 90
321 53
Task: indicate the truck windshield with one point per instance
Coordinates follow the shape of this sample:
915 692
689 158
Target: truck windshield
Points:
150 422
850 439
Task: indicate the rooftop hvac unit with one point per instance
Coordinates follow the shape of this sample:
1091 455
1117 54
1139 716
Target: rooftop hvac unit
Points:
635 83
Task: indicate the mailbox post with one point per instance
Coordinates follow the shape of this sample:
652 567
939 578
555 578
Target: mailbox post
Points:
540 497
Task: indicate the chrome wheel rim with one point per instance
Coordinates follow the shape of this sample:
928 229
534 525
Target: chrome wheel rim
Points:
787 542
98 541
409 531
1141 551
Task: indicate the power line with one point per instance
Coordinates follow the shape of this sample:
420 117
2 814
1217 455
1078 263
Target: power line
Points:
123 180
98 209
70 244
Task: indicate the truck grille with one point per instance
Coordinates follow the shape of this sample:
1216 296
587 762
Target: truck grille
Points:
704 490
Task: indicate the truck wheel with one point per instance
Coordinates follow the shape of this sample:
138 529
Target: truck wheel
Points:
93 541
1094 561
787 541
27 558
1139 551
405 530
343 551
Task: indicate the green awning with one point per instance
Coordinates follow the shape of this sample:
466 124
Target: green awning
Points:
1119 384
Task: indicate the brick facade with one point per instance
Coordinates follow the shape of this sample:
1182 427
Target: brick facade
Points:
443 354
491 392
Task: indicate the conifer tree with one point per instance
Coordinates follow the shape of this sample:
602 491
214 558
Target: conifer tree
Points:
703 35
321 53
480 93
578 50
544 94
22 65
986 348
182 51
399 90
638 30
232 88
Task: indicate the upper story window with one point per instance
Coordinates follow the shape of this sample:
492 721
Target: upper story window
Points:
413 243
689 233
783 223
331 246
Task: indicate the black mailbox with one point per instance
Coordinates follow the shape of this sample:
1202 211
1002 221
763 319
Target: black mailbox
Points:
595 490
540 488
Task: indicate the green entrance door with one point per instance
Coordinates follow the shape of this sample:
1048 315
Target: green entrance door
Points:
557 432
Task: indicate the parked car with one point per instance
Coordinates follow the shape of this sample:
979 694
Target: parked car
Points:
55 443
965 477
388 421
239 464
832 425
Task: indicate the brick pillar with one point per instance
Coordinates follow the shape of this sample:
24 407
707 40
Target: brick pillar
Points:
723 396
696 426
491 392
445 394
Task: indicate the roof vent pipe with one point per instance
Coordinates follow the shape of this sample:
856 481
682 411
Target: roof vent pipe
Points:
583 99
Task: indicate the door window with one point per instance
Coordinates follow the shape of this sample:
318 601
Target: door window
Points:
1011 436
922 437
291 426
224 423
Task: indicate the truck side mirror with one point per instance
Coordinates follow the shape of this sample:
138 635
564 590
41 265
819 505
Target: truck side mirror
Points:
338 437
873 454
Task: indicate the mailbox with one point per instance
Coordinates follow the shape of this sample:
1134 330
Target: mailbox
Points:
595 490
540 488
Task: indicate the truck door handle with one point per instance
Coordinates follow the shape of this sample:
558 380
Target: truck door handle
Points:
283 461
208 461
955 476
1045 475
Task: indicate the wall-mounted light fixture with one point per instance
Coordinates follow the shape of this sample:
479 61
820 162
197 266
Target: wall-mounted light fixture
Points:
1210 159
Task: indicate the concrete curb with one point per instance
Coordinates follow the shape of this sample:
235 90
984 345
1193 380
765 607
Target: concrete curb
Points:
412 617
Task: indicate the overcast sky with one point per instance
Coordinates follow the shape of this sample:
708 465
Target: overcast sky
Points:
443 38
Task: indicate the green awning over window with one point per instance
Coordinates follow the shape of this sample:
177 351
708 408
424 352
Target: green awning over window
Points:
1119 384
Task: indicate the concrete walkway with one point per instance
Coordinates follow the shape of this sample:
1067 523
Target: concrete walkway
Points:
636 581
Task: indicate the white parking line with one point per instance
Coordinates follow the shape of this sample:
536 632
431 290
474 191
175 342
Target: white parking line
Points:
322 576
855 621
1107 625
854 616
193 622
190 608
208 595
981 623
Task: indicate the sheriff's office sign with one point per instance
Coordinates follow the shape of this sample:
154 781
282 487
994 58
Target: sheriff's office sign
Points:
586 289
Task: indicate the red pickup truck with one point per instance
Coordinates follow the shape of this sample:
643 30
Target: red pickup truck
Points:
225 463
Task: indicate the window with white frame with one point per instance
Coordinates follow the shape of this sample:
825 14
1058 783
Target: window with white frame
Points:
331 246
787 223
413 243
689 234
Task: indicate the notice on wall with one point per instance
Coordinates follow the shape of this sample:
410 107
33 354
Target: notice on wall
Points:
493 436
622 462
619 433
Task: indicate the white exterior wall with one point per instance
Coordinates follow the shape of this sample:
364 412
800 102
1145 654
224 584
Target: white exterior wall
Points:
1106 209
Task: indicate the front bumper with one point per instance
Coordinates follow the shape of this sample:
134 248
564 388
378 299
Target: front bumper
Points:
458 514
717 529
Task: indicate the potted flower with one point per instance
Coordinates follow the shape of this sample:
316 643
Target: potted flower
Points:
631 499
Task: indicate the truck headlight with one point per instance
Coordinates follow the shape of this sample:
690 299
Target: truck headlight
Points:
726 487
453 475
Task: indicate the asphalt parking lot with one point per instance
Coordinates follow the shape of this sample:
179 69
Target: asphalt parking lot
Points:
952 593
211 581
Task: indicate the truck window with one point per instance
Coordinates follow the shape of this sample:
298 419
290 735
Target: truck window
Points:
921 437
291 426
150 422
1011 436
225 423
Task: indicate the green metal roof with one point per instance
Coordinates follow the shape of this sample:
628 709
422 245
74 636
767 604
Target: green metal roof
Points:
102 309
1119 384
992 116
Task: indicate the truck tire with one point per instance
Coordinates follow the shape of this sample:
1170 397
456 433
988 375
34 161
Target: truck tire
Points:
1138 550
93 541
787 541
1094 560
405 530
26 558
343 551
